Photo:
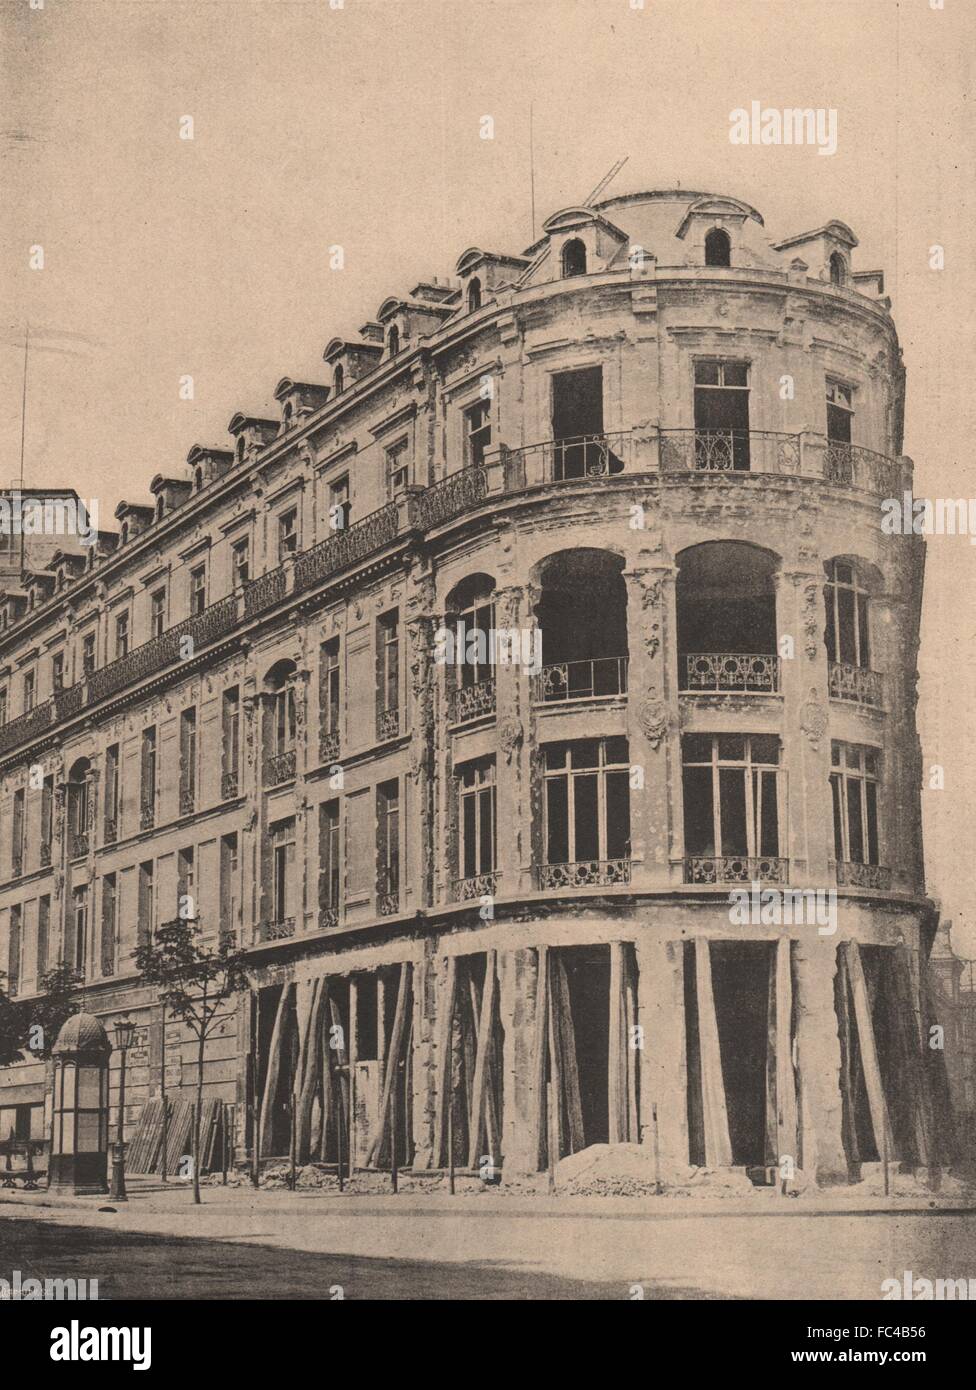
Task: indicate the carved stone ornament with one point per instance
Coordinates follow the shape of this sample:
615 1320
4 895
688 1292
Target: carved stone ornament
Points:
814 719
509 736
653 718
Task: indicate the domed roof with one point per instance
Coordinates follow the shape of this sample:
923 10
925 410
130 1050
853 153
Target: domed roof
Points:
82 1033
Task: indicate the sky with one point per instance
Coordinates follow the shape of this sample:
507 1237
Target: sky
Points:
361 126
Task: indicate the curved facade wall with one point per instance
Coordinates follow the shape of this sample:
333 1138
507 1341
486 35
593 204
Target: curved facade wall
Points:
657 481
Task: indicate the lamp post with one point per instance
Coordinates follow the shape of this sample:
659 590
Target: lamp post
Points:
124 1031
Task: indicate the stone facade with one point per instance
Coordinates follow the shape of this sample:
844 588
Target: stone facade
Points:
662 449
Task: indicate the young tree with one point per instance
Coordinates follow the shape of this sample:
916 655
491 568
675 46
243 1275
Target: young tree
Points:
30 1028
11 1030
193 981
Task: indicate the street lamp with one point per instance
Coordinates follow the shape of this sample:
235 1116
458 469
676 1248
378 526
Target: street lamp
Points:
124 1032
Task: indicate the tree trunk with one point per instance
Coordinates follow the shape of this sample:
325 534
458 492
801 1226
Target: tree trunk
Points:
196 1119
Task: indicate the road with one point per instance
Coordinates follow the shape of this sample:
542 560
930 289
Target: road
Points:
375 1252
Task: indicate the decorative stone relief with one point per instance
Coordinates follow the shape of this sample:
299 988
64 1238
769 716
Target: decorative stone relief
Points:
813 719
654 718
510 736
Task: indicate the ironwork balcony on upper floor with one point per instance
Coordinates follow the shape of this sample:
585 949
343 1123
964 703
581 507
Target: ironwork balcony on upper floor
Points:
580 680
471 701
477 886
855 683
755 673
735 868
584 873
854 875
279 768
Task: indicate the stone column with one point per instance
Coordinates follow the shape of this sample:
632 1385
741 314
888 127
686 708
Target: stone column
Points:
514 608
427 1001
421 623
518 973
805 726
663 1060
651 707
818 1059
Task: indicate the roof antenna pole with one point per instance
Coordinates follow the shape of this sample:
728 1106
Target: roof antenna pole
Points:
605 180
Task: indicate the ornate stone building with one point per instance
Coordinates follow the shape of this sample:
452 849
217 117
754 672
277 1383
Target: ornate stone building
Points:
487 903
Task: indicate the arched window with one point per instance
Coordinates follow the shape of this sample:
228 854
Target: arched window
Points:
838 269
718 247
338 380
474 295
574 258
393 340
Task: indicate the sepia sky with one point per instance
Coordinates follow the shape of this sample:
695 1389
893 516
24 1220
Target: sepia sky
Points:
359 126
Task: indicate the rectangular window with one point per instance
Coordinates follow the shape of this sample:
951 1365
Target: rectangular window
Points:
198 589
78 941
188 760
43 935
230 742
579 449
587 801
476 786
147 798
157 612
731 799
283 721
47 820
122 635
328 863
17 854
111 825
29 687
241 562
13 951
88 653
228 884
722 415
3 705
397 468
477 433
329 698
287 533
854 779
57 671
388 675
388 846
186 906
283 866
340 504
147 903
109 923
840 412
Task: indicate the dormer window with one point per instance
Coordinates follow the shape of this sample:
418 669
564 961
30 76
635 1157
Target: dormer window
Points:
198 478
474 295
338 380
124 533
574 258
393 341
718 247
286 419
838 269
160 507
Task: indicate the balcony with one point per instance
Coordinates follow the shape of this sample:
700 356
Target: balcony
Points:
345 547
265 592
855 466
735 868
471 701
328 918
188 800
855 683
229 785
852 875
46 855
586 873
732 672
478 886
279 768
388 894
729 451
456 493
78 844
17 866
566 460
600 678
147 815
155 655
279 930
110 830
387 724
329 747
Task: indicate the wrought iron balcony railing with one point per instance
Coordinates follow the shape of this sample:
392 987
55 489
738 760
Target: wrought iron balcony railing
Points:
228 785
328 918
858 467
565 460
388 892
46 855
110 830
471 701
17 866
449 497
78 844
277 930
387 724
855 683
580 680
265 591
329 746
729 451
750 673
584 873
279 767
345 547
147 815
188 800
735 868
477 886
853 875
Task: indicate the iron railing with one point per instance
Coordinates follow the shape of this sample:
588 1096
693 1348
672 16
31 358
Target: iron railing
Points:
729 451
580 680
471 701
444 500
387 724
853 875
345 547
477 886
855 683
329 746
279 767
565 460
583 873
228 785
751 673
278 930
735 868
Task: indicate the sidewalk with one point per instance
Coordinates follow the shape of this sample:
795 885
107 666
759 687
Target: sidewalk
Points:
149 1195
